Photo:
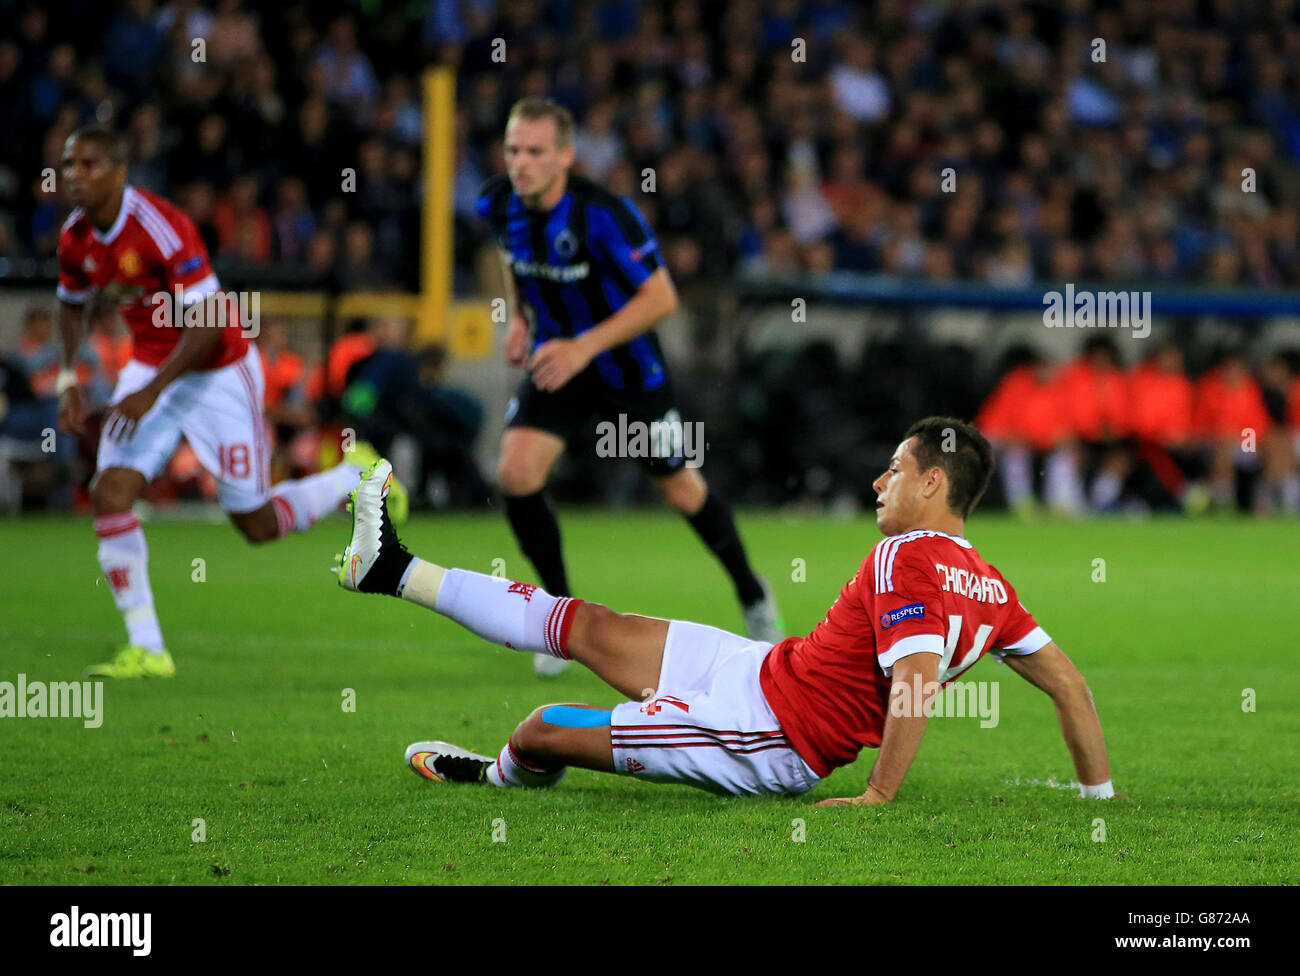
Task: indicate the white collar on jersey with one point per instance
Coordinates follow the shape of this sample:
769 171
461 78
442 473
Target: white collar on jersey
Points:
921 533
128 200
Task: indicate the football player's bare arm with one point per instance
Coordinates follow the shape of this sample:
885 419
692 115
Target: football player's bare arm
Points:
517 335
196 346
559 360
915 681
72 331
1052 671
654 300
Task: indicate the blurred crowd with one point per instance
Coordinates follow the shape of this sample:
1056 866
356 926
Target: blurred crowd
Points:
369 386
1007 142
269 123
1150 139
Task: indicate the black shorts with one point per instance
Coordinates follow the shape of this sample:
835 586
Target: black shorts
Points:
588 414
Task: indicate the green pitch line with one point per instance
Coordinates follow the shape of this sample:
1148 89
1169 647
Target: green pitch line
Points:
251 737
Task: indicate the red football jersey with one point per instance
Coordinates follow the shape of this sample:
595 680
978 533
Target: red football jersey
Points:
1226 408
1161 405
1097 401
920 592
151 247
1028 404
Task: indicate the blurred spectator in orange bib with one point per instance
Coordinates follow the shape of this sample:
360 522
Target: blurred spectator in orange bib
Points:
1026 418
1230 417
1096 393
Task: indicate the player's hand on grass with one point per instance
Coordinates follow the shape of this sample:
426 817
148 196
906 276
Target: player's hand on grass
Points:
517 342
124 415
872 795
72 414
557 361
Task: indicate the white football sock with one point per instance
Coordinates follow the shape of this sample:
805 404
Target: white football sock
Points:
1106 490
520 616
298 504
1062 488
1017 475
1290 493
124 558
511 769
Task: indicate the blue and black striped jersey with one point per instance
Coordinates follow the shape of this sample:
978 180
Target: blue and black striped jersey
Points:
576 265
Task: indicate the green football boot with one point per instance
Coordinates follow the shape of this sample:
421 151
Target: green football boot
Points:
134 661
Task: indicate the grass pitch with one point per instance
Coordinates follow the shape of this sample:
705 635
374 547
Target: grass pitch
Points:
251 737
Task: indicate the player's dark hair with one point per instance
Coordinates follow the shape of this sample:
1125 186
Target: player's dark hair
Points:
110 141
961 451
1160 348
1228 352
1102 343
1016 356
533 108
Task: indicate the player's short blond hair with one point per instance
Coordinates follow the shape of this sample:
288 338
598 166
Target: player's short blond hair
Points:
533 108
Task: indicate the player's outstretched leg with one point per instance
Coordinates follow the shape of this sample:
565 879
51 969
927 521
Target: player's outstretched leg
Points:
625 650
296 505
124 558
527 456
537 755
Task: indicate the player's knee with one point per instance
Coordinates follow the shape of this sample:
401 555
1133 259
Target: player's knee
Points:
111 495
255 529
534 737
256 534
684 493
517 477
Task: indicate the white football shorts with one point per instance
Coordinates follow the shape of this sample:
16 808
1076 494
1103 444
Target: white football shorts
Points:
708 723
219 411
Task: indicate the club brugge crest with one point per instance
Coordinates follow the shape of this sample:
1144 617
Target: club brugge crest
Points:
566 245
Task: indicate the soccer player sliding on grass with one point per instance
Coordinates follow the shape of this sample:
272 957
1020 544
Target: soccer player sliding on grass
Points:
733 715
